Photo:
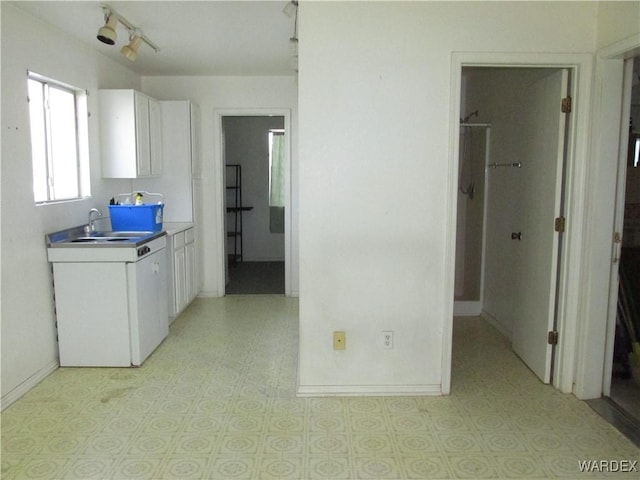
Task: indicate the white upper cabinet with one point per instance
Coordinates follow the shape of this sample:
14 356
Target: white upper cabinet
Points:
131 134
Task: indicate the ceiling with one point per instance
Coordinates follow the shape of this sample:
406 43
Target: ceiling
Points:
195 37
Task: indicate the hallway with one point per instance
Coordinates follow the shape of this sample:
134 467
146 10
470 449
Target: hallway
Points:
217 400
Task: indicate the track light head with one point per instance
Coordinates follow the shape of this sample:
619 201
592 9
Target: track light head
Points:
131 51
107 34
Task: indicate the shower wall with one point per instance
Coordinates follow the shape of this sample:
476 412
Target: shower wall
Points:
471 197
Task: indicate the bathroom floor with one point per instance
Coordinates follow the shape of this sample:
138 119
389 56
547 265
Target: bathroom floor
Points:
217 400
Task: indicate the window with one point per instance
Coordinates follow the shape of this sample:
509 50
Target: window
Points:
59 140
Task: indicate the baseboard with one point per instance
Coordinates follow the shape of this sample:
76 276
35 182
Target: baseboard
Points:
29 383
368 390
467 309
263 259
208 294
493 321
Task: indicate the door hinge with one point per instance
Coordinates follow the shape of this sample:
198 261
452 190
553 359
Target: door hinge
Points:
552 337
560 224
566 104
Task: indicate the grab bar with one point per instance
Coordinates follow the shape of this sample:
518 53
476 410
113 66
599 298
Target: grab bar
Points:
496 165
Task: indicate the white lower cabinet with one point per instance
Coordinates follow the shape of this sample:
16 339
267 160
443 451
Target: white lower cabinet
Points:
184 273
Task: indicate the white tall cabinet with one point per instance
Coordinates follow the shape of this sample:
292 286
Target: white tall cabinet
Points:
180 184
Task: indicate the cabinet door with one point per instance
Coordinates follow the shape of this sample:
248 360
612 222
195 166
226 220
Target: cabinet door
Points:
155 137
192 271
180 278
142 135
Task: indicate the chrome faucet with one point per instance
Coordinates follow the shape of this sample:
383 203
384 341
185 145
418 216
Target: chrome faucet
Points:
91 227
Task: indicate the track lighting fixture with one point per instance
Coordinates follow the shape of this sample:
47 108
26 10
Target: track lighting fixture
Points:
107 34
131 51
291 11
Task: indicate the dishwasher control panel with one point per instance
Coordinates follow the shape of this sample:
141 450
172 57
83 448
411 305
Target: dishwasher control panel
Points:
150 247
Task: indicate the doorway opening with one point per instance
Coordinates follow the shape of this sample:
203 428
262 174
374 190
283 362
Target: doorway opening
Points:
255 172
511 169
624 387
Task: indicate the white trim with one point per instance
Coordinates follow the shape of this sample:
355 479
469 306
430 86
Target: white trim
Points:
591 359
220 190
368 390
467 309
618 226
626 48
491 320
29 383
576 188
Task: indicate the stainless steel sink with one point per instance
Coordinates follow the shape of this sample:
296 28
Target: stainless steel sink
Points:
102 239
109 237
119 234
78 236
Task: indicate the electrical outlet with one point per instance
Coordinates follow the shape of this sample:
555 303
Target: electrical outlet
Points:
387 339
339 341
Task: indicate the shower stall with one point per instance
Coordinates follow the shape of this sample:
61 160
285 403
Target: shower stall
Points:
474 159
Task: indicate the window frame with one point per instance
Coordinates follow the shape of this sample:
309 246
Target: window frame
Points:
46 164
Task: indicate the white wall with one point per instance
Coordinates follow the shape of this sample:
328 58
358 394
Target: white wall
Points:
247 144
617 20
29 347
374 99
231 94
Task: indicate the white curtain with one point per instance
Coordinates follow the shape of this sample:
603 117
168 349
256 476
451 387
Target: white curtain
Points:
277 183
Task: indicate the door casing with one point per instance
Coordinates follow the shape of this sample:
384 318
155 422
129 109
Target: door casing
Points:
618 227
221 189
580 66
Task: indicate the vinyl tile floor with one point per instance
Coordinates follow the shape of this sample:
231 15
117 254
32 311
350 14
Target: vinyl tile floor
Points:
217 400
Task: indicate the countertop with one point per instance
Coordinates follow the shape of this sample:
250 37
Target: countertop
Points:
171 228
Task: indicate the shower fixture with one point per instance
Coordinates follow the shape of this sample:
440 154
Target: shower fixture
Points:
467 172
512 164
469 191
291 8
291 11
472 114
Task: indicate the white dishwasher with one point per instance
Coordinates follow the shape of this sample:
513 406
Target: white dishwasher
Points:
111 302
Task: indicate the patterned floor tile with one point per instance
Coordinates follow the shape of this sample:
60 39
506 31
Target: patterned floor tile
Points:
184 467
217 401
422 467
329 468
232 468
84 467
